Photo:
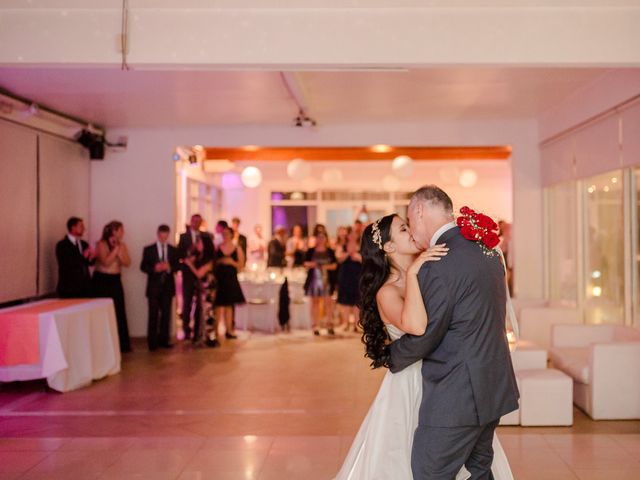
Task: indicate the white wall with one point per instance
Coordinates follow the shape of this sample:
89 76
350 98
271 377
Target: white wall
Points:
138 186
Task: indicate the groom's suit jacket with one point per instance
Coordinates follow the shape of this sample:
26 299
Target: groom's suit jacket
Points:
468 377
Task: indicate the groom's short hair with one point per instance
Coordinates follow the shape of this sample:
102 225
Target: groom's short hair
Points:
433 195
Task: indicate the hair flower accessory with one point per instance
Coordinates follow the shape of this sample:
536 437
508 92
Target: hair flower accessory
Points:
375 233
479 228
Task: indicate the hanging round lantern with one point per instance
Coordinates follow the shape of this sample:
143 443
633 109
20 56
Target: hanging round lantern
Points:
332 175
251 177
390 183
298 169
402 166
468 178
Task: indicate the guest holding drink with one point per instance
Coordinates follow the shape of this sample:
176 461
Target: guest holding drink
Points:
350 266
320 261
160 261
112 255
229 260
296 247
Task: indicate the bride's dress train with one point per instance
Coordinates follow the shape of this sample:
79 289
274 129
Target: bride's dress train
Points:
382 447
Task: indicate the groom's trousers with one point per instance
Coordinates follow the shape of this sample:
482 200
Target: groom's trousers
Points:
439 452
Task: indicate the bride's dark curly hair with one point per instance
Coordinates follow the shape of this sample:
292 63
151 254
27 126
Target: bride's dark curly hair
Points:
375 271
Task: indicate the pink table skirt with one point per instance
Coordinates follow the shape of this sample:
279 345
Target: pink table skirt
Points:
19 331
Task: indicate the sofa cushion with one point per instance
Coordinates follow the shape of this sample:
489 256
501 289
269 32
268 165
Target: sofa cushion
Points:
573 361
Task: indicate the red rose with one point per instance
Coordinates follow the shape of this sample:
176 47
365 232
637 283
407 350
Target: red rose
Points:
468 232
465 210
484 221
491 240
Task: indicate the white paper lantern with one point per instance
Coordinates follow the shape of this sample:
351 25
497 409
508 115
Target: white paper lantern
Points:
332 175
402 166
251 177
390 183
468 178
298 169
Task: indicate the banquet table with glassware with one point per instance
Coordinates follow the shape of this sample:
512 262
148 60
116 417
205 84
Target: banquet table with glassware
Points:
261 289
69 342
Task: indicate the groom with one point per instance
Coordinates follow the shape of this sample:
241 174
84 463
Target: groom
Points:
468 379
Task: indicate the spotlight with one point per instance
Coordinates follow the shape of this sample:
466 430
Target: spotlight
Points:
92 142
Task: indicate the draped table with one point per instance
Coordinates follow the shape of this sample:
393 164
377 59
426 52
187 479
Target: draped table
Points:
262 292
68 342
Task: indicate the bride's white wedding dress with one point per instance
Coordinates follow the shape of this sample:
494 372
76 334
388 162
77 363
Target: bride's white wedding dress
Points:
382 447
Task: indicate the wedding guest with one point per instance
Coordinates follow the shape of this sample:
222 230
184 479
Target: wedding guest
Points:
239 239
319 228
217 233
257 245
350 266
278 248
229 261
199 264
160 261
112 255
296 246
186 248
319 261
74 258
358 228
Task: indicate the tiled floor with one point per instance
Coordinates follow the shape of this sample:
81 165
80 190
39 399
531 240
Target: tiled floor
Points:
262 407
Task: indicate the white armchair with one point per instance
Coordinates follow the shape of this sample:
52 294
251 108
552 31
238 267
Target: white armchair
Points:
536 322
604 362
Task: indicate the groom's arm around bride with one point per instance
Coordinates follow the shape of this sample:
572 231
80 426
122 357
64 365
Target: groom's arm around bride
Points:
468 379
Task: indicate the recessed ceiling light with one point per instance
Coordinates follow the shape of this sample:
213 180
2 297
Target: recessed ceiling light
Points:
381 148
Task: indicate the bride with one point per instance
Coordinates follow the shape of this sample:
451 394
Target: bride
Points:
392 305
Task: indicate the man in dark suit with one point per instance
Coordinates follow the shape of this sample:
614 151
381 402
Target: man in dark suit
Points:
186 246
160 262
74 258
239 239
468 378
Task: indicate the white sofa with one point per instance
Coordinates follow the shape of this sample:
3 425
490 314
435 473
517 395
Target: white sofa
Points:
604 362
536 322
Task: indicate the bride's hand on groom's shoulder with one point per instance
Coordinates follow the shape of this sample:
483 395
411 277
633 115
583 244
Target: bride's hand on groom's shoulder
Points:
432 254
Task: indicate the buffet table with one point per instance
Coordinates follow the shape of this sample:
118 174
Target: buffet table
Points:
68 342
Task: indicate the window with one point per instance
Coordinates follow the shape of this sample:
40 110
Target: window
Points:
603 237
562 212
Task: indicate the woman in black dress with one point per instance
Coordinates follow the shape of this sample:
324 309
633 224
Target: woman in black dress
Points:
296 247
229 260
320 261
350 262
112 255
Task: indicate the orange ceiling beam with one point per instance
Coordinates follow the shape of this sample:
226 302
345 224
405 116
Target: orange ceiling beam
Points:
378 152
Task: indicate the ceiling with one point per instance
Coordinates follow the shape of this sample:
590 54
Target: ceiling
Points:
151 98
297 4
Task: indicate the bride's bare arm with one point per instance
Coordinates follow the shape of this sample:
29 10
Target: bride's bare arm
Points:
408 313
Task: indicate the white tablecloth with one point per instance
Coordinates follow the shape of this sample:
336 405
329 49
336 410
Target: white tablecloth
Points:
261 310
78 344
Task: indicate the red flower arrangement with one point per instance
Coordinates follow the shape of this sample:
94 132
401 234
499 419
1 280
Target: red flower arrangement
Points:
479 228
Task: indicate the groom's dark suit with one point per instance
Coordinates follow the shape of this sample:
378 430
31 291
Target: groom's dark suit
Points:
468 379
